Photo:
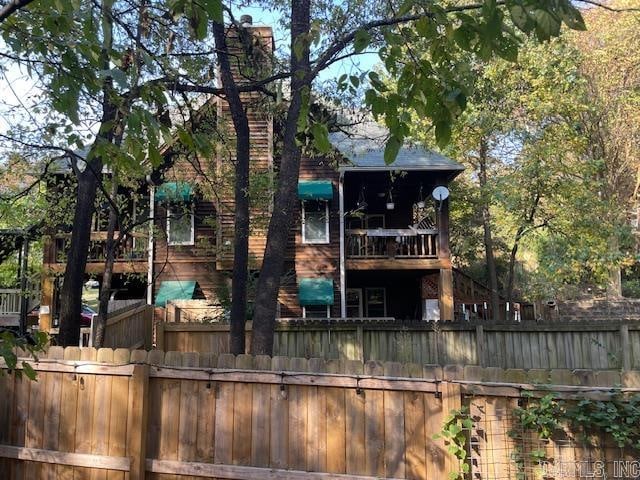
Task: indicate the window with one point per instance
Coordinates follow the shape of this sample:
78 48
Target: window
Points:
316 311
180 224
431 310
315 221
354 302
375 301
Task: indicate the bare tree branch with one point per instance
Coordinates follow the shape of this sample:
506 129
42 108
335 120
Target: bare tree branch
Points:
606 6
11 7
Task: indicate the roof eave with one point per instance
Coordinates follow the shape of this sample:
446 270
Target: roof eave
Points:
390 168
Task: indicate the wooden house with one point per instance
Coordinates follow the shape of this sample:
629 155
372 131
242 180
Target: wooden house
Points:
368 240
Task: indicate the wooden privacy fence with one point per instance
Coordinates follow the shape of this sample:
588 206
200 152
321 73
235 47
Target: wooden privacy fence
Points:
129 327
577 345
121 414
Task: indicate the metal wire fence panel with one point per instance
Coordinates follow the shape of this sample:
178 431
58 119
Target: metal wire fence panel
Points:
500 449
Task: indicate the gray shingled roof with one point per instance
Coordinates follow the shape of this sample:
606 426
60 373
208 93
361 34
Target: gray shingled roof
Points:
363 146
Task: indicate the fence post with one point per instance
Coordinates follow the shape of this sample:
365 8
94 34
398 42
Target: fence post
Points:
626 347
148 327
160 335
137 421
480 345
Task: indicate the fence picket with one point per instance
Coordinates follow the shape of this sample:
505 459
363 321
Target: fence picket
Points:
355 422
243 398
188 414
224 414
117 445
53 391
35 422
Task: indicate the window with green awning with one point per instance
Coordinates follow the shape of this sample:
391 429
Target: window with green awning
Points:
315 190
175 290
174 192
315 291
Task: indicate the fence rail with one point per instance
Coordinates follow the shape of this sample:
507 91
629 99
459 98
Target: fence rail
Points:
576 345
110 413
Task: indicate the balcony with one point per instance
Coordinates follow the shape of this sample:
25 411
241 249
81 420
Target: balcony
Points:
404 248
392 243
134 248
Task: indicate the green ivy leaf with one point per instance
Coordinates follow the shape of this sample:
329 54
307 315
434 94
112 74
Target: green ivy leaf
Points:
321 137
443 133
520 17
573 18
546 24
214 10
361 41
391 149
28 370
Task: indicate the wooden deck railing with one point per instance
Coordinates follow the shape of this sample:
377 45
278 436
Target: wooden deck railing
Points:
9 301
398 243
134 248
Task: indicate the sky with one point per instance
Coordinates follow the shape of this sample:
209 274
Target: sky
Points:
16 89
262 16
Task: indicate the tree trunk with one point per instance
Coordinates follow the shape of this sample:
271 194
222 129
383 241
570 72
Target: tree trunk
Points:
512 267
520 233
241 196
488 239
100 322
71 294
614 283
285 197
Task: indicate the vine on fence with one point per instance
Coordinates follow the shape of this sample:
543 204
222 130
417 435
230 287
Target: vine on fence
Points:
454 433
547 417
585 419
618 417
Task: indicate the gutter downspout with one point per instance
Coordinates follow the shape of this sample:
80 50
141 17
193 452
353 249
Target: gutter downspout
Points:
152 192
343 291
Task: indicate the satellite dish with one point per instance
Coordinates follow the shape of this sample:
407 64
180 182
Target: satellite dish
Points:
440 193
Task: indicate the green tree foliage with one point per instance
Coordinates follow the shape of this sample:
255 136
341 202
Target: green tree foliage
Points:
557 132
519 141
11 343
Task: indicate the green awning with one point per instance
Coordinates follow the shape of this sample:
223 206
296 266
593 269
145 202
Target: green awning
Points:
315 190
175 290
315 291
174 192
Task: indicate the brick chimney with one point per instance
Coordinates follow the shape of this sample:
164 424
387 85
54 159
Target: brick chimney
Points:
251 48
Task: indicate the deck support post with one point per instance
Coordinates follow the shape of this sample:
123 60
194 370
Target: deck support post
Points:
24 295
343 282
445 294
46 300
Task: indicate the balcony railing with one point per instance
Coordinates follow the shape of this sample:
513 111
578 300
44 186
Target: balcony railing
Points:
392 243
133 248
